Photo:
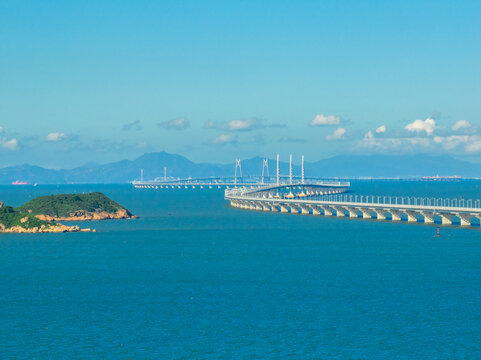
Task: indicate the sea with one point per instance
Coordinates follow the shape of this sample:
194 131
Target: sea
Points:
193 278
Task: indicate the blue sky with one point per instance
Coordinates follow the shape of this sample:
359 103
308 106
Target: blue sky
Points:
215 80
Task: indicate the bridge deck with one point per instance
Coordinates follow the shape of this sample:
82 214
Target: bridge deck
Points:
431 209
240 185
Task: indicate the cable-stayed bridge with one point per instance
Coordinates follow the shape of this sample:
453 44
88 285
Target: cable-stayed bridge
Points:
252 182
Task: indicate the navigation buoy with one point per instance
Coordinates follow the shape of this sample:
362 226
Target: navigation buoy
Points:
437 233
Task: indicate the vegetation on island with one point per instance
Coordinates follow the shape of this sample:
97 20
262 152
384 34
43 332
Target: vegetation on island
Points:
10 217
71 205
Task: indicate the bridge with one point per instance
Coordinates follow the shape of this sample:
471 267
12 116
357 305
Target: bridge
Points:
264 182
213 182
464 212
251 182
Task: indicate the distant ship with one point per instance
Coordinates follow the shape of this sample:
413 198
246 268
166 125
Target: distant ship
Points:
16 182
441 178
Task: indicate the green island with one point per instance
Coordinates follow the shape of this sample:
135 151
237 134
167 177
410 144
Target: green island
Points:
41 213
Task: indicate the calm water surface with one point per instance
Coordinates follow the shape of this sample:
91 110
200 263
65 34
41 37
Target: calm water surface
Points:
195 279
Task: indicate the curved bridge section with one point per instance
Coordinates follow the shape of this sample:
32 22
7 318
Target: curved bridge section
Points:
331 202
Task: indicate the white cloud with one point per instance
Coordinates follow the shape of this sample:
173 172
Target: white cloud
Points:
381 129
419 126
451 142
224 139
369 135
55 136
407 144
175 124
474 144
11 144
248 124
461 124
338 134
239 125
458 144
325 120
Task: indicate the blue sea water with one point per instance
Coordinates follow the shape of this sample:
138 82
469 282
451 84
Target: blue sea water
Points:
196 279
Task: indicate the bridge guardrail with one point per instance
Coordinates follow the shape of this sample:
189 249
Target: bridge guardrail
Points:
394 202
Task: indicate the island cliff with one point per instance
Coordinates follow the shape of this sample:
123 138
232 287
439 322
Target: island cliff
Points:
14 221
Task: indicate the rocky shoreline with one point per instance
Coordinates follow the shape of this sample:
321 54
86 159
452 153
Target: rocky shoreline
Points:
86 215
56 228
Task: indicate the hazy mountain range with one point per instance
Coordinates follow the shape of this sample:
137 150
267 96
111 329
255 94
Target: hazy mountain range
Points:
178 166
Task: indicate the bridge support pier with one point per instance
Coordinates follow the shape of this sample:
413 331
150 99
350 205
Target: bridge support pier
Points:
304 210
446 219
353 212
327 210
465 219
341 212
284 208
293 209
366 213
395 215
266 207
274 208
428 217
380 214
315 210
412 216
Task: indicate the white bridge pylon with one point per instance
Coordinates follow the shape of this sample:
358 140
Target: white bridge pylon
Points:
265 165
237 165
237 180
